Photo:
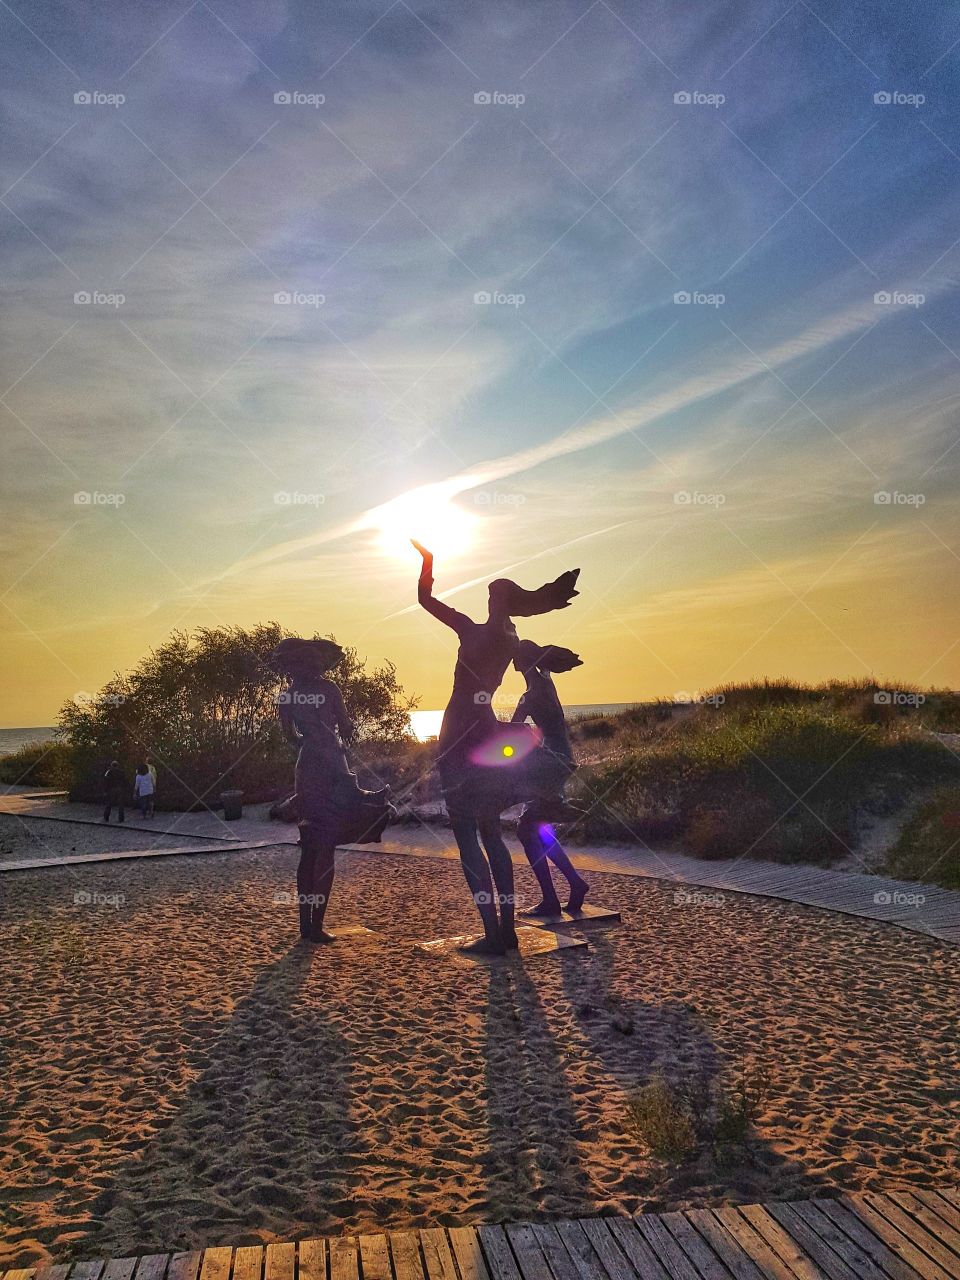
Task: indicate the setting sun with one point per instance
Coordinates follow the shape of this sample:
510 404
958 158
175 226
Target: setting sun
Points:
430 518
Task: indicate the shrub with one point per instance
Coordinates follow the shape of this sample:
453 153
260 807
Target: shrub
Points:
37 764
929 845
659 1117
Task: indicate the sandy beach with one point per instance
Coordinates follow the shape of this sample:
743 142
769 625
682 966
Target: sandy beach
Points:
186 1074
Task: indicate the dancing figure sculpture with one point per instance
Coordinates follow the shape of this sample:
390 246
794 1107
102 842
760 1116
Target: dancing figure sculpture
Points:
332 807
545 771
475 790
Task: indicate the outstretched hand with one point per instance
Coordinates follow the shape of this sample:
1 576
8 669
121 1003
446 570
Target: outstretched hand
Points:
427 555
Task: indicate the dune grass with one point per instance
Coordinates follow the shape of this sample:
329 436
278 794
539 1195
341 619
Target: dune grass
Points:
929 845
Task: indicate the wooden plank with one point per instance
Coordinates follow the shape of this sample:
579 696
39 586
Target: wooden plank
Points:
436 1255
934 1200
280 1262
185 1265
85 1271
248 1263
344 1258
588 1264
780 1241
811 1243
533 1265
496 1249
642 1257
737 1261
59 1272
950 1193
152 1266
119 1269
861 1235
859 1262
676 1263
375 1257
902 1245
910 1227
708 1265
614 1261
555 1251
468 1253
21 1273
312 1260
405 1247
216 1264
935 1223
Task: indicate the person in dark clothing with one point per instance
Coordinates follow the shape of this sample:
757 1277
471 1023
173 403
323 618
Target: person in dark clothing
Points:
546 770
475 795
115 790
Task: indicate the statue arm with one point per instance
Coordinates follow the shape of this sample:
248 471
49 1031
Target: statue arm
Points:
451 617
345 725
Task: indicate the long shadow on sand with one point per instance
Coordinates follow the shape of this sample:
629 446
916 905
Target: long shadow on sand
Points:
274 1082
633 1041
532 1166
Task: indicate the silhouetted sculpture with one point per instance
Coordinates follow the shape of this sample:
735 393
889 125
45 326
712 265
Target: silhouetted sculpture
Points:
332 807
477 792
545 771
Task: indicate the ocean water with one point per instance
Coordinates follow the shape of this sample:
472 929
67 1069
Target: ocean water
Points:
426 724
14 739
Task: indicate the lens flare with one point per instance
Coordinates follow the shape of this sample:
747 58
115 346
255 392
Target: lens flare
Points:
506 746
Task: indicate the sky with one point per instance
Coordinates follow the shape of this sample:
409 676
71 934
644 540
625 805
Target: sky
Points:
665 292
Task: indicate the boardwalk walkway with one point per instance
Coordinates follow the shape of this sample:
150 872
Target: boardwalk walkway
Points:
902 1235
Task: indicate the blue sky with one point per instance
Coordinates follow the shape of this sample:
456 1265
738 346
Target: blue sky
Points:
784 197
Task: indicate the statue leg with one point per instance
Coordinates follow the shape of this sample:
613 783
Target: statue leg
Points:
477 872
502 866
528 831
558 856
304 883
322 853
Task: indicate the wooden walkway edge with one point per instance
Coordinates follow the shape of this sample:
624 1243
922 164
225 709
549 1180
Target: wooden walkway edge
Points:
903 1235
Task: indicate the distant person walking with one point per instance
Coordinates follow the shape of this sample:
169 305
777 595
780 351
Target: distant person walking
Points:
143 790
152 770
115 790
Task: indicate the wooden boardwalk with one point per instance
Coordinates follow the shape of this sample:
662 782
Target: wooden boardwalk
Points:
902 1235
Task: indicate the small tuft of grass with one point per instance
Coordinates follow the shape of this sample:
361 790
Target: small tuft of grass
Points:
660 1118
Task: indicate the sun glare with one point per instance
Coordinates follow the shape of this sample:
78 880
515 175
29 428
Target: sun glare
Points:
434 520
